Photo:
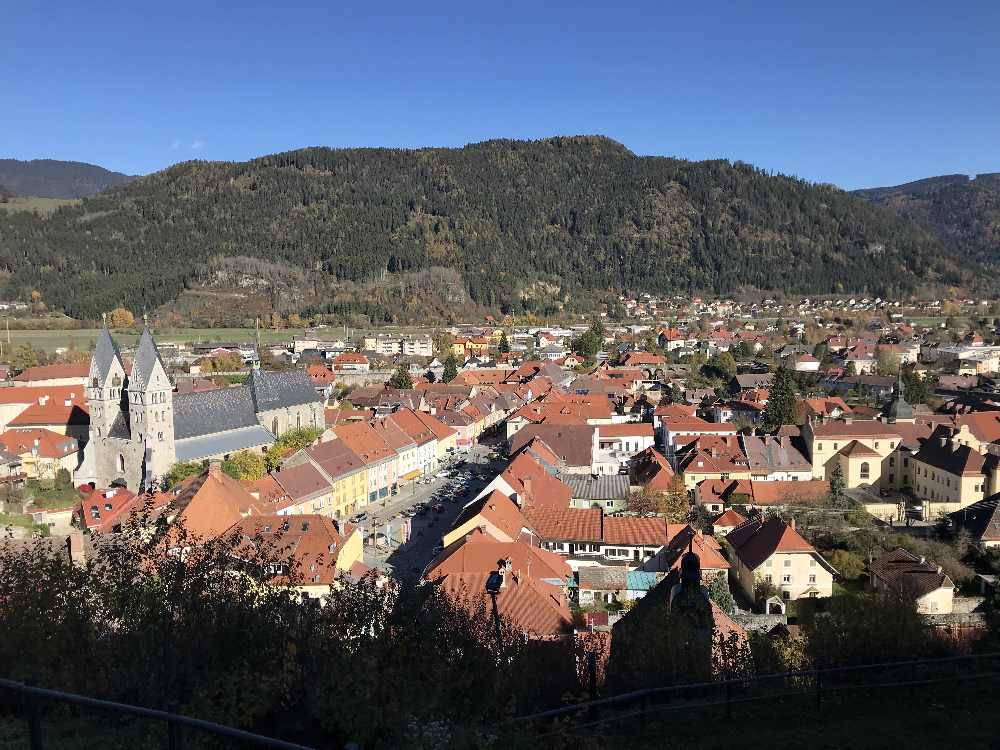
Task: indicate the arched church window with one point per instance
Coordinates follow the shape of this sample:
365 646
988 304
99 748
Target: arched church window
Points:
274 427
121 463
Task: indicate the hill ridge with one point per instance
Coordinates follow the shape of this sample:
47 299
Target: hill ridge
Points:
529 226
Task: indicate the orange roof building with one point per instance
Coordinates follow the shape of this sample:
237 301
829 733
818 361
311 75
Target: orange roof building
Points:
533 597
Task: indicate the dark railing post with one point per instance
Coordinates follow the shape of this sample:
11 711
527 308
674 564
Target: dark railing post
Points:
819 689
591 684
34 723
173 730
729 699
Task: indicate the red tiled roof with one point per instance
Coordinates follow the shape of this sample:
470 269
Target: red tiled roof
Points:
728 519
54 372
313 541
633 429
570 524
364 441
633 531
528 599
498 511
756 540
653 470
50 444
101 509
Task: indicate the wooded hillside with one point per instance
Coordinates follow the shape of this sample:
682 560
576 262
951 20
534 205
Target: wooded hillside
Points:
526 225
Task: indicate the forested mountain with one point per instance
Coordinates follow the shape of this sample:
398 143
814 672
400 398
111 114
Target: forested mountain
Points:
527 225
963 212
49 178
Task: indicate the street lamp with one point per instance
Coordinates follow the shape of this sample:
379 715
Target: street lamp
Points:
494 583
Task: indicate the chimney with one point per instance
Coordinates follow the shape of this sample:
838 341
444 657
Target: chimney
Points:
74 545
922 559
943 440
791 524
215 469
527 486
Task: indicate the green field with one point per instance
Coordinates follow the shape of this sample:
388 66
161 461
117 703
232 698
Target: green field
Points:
41 205
84 338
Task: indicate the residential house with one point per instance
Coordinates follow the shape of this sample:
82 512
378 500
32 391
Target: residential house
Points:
344 472
379 458
408 453
532 595
902 572
445 437
351 362
951 470
42 452
47 376
981 521
775 458
772 551
323 551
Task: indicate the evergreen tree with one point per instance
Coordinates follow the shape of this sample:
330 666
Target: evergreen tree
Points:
718 591
781 402
450 368
838 498
504 345
400 379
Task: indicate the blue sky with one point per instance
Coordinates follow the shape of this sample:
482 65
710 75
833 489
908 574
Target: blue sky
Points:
857 94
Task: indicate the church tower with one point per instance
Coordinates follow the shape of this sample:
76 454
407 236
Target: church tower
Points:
106 386
151 410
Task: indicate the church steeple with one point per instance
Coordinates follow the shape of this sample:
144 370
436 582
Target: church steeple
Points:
898 409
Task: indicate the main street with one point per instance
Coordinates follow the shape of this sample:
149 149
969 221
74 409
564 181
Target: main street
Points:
406 560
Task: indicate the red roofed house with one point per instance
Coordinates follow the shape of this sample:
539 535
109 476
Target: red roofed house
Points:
726 522
773 551
651 469
53 375
42 452
104 510
533 595
59 405
323 549
208 505
351 362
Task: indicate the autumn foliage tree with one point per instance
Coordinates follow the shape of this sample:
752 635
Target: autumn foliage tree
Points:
120 317
671 503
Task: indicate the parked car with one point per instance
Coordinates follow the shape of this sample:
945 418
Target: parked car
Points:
439 508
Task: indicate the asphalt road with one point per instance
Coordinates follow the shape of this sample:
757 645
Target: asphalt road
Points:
406 561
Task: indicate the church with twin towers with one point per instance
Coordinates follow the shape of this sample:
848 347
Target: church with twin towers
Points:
139 428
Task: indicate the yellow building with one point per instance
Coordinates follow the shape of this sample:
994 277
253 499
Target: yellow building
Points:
904 573
951 470
774 552
447 438
335 485
711 464
323 551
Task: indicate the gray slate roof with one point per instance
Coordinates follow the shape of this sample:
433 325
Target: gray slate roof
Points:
209 412
203 446
146 357
277 390
603 487
105 352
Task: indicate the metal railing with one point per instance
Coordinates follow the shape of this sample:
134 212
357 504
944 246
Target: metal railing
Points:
818 683
34 698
